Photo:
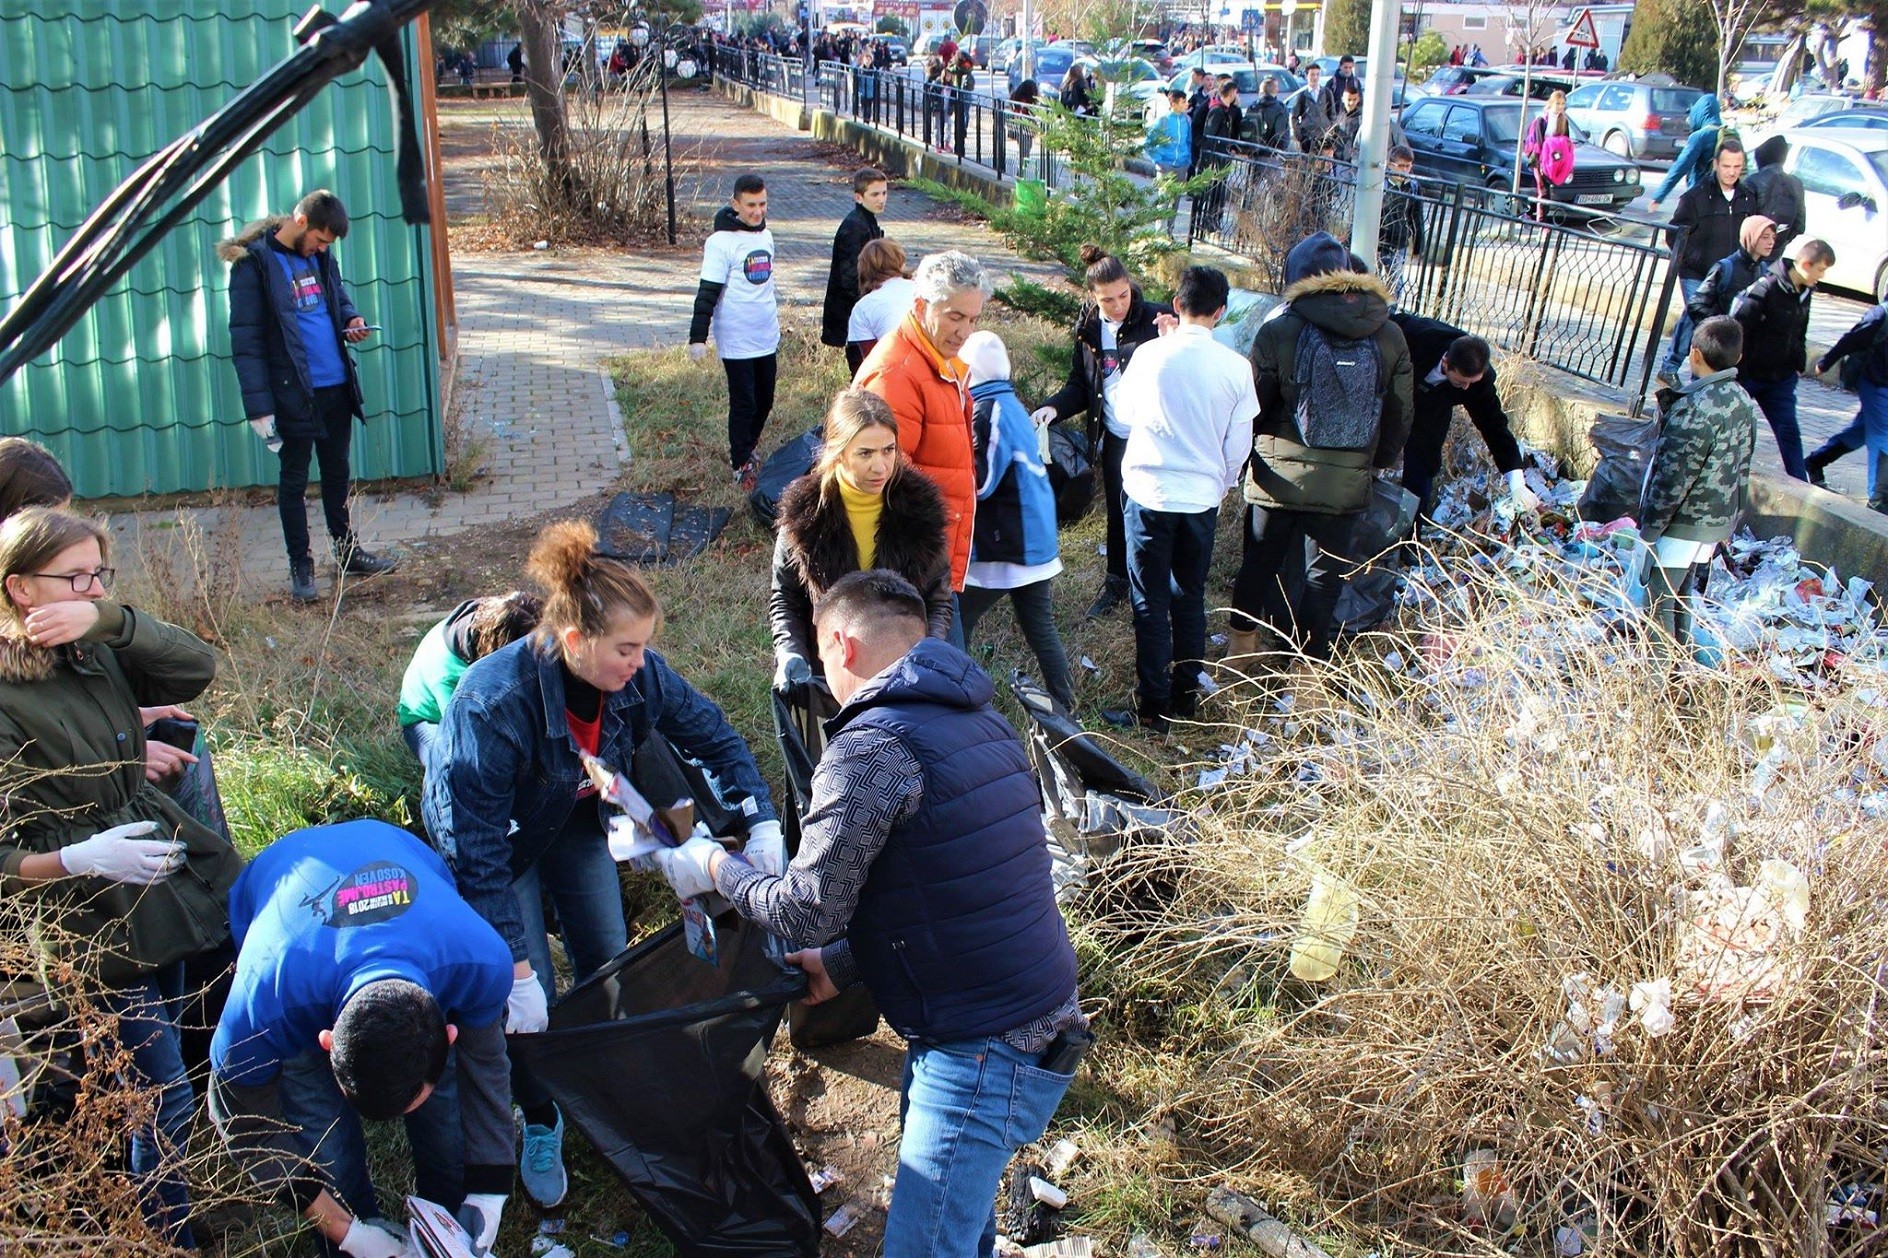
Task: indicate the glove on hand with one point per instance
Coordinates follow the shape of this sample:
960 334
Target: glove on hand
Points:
122 855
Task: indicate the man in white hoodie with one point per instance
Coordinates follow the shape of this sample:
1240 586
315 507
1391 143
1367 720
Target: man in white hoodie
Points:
1188 403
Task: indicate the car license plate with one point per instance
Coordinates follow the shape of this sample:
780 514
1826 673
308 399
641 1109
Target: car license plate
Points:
1593 198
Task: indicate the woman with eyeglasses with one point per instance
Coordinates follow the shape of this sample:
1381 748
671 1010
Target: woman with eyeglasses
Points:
508 802
126 882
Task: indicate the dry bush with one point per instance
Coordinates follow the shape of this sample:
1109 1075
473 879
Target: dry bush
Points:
616 164
1272 208
1510 813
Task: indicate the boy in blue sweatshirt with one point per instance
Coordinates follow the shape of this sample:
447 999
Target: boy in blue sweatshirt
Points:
359 970
1013 541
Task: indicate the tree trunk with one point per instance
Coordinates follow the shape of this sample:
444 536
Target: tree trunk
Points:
538 26
1875 78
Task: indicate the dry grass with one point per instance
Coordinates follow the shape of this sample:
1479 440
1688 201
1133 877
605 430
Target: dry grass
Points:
1508 815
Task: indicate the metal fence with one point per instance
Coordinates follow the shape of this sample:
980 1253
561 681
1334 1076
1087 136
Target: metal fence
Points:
1559 292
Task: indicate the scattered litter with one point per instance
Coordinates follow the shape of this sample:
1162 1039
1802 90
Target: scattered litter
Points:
1218 639
1487 1197
1090 665
1729 942
1062 1155
843 1219
546 1247
1047 1193
616 1240
1204 1240
551 1227
825 1177
1256 1224
1067 1247
1139 1246
1653 1003
541 244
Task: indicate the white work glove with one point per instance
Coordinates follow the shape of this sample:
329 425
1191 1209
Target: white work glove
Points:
766 848
526 1011
686 867
792 676
265 429
373 1239
479 1216
1524 497
122 855
697 350
1042 415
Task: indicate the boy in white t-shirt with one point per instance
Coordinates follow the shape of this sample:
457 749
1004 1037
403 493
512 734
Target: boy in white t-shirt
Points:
737 297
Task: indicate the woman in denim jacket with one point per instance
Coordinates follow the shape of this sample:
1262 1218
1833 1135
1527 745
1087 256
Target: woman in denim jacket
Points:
509 805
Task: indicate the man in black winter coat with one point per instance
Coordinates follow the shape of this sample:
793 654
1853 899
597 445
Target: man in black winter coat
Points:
1222 125
1116 323
1451 369
1199 104
290 323
1705 226
1345 80
1775 315
1310 119
1267 121
858 229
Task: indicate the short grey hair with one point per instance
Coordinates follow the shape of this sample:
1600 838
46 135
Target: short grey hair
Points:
941 276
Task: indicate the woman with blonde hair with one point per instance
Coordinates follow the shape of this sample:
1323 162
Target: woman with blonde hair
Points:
1549 148
509 804
885 292
129 884
862 506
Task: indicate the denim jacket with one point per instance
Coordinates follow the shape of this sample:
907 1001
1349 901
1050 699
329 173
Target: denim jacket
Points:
505 757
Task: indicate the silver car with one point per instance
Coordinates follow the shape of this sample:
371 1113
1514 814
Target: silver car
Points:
1634 120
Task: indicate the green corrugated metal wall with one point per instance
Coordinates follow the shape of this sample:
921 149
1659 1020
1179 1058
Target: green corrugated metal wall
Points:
140 396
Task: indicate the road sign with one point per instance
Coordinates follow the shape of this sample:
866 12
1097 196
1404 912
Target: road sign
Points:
970 16
1252 20
1582 34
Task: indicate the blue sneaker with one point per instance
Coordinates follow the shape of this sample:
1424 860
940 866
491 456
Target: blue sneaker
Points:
542 1166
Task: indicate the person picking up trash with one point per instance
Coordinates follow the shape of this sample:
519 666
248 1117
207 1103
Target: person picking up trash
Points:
923 871
1694 490
365 987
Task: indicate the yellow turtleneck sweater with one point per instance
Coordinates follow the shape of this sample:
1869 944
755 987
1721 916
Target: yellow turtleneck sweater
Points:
862 512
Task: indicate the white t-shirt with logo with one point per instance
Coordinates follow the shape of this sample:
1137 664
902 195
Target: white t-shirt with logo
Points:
1111 377
881 310
747 318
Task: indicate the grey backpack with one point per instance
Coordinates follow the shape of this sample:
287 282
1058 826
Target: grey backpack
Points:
1340 390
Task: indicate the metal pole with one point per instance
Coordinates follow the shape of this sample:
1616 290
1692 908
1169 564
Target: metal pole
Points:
668 162
1029 46
1367 216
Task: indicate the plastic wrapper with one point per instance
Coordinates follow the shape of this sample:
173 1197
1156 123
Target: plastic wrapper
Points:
704 1152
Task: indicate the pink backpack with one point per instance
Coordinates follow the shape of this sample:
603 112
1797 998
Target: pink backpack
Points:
1557 159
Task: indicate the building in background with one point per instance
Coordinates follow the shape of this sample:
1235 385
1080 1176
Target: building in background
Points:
140 396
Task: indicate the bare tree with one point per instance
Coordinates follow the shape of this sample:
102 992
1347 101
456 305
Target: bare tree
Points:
1735 19
1531 27
539 30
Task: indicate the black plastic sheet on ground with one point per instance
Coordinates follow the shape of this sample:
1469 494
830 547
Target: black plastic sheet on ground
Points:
784 466
651 529
657 1059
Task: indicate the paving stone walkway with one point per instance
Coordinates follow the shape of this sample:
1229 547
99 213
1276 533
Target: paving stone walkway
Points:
536 328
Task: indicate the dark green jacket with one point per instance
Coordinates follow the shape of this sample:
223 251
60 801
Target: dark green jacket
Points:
72 764
1694 491
1285 473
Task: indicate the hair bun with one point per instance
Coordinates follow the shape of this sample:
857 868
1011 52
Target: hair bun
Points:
561 557
1091 254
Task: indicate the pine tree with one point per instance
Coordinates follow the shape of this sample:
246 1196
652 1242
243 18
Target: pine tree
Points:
1346 27
1675 37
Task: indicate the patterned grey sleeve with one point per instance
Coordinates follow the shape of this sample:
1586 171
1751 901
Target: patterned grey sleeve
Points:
866 783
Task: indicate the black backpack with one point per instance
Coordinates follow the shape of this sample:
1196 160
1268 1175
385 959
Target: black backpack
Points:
1340 390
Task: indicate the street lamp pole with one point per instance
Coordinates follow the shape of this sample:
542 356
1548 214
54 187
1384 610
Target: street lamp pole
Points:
1367 217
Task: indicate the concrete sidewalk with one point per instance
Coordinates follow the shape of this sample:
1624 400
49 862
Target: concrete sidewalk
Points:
536 328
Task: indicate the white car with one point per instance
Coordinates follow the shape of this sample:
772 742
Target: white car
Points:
1845 201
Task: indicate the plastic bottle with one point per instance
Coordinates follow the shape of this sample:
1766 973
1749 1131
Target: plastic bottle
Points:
1141 1247
1330 919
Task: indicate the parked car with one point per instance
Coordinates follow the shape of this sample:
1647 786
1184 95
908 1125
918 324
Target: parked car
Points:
1244 77
1006 54
1800 112
980 48
1213 54
1845 201
1539 86
1127 84
1470 140
900 51
1052 62
1634 120
1449 81
1865 118
1329 66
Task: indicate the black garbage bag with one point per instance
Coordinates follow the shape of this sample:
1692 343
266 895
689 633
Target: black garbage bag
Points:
782 468
852 1014
1071 473
1625 449
657 1058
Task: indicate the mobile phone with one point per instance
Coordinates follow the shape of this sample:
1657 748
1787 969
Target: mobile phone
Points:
1066 1050
178 733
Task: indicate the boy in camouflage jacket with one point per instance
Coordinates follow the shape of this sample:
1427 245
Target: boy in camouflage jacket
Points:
1694 491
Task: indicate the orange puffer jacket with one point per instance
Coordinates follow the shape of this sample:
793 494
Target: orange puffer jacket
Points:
930 395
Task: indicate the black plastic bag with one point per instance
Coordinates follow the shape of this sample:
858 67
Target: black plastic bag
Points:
1071 473
852 1014
1625 449
657 1059
782 468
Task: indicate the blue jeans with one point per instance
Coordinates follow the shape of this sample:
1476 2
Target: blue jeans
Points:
580 874
1874 418
1169 553
313 1104
1680 348
421 737
147 1028
1777 400
966 1107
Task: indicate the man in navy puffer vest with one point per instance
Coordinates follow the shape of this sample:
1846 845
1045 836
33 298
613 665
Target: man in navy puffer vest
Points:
923 871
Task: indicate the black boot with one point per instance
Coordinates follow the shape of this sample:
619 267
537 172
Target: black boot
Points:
1114 591
301 580
354 561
